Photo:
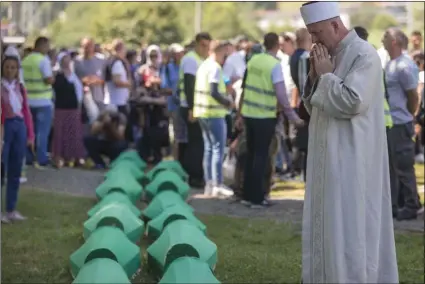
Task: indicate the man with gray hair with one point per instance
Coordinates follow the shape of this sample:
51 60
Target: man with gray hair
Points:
401 79
348 234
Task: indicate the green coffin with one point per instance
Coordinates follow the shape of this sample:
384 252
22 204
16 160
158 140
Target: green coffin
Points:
125 184
107 242
170 215
101 271
161 201
168 165
115 197
180 238
126 168
167 180
116 215
189 270
132 156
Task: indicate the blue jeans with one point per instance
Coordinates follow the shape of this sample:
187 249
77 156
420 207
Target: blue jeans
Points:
15 141
42 118
214 132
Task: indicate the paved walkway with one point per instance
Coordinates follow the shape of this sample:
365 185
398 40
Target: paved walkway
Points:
84 182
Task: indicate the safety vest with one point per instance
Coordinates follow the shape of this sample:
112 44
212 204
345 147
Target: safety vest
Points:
205 106
388 118
182 94
259 99
34 81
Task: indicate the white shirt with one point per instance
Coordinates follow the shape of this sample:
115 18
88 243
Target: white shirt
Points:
235 65
189 65
286 69
118 95
14 99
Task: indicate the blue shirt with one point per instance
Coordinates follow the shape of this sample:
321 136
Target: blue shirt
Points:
170 79
401 75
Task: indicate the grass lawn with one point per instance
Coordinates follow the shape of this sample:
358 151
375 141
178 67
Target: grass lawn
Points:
296 189
37 251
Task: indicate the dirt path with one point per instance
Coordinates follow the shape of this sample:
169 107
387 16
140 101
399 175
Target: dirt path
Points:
84 183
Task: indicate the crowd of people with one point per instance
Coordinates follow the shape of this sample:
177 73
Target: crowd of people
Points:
199 103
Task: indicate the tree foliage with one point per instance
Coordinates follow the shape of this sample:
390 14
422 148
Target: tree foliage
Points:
153 22
383 22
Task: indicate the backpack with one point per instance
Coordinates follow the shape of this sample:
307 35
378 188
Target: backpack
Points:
108 69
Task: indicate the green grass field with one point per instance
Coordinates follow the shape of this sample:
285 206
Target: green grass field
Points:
37 251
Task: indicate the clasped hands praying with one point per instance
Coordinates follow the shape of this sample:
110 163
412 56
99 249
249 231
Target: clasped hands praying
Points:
320 62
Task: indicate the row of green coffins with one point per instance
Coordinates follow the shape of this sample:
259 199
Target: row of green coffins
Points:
179 252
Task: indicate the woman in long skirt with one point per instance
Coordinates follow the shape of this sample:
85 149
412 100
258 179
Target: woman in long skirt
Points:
68 144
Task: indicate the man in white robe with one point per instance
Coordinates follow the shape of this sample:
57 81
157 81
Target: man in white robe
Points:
348 234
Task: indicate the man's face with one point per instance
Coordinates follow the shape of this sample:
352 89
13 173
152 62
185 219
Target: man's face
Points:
88 46
416 41
388 41
177 56
323 33
286 45
204 47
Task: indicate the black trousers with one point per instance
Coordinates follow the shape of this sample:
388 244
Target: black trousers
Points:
194 149
259 134
401 150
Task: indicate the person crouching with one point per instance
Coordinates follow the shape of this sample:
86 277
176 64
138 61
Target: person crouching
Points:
107 137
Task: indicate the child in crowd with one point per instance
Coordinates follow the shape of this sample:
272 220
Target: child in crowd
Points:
17 133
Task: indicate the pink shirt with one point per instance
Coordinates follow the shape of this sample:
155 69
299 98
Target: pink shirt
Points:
16 106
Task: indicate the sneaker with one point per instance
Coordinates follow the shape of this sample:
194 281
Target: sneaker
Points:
208 189
23 179
406 214
222 190
419 158
16 216
4 219
264 204
420 211
245 202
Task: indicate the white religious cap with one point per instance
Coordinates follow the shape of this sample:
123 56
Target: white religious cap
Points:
319 11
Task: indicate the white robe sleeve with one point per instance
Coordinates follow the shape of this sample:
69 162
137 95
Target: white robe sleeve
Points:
344 99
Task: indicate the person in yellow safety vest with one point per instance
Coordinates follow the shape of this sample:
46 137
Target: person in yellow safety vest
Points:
190 153
38 77
211 105
263 89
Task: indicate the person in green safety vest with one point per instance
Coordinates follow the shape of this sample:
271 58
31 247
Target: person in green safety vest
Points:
211 105
38 77
190 154
263 89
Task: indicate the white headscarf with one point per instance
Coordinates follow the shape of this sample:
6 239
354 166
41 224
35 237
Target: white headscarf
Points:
72 78
149 50
59 58
12 51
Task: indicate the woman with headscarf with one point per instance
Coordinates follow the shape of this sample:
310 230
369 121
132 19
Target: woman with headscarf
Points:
68 135
155 128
